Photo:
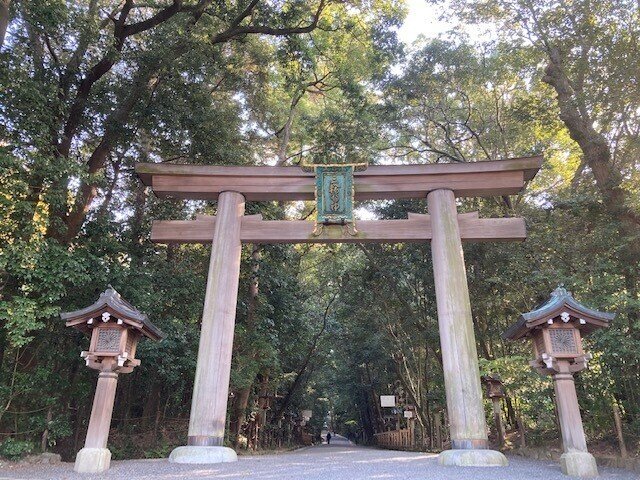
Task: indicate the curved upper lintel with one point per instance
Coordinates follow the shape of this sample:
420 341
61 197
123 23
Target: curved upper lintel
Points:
264 183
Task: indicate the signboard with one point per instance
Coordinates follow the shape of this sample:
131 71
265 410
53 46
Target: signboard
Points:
408 414
387 400
334 194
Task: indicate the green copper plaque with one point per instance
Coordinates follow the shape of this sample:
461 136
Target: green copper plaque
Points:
334 194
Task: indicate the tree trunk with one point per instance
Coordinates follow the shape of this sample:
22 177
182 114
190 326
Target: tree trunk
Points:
3 349
151 405
125 404
4 19
375 402
139 204
106 203
238 410
284 140
497 419
254 287
619 434
44 441
521 430
408 385
594 145
241 400
511 413
438 431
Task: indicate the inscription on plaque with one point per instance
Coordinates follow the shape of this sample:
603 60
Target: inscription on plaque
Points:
108 340
563 340
334 192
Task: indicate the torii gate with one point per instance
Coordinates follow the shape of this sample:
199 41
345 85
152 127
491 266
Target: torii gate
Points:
444 227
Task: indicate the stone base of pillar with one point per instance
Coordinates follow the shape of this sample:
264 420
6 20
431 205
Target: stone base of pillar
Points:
196 454
472 458
92 460
579 464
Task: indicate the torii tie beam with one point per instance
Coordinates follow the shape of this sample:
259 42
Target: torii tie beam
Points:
444 227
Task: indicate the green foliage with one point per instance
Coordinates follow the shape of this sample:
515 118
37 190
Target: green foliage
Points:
160 451
14 449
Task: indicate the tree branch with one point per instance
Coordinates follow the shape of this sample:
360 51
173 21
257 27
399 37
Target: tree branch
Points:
236 31
160 17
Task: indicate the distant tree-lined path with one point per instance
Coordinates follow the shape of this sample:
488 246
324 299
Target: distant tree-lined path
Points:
338 461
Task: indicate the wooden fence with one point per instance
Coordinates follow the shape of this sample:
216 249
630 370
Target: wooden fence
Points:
396 439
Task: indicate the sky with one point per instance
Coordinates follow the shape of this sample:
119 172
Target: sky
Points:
422 19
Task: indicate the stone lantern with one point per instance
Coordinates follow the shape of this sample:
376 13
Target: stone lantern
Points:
556 329
115 327
495 391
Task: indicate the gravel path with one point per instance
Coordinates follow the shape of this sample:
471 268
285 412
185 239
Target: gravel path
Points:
338 461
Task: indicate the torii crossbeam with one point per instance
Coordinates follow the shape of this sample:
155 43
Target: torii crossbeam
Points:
444 227
417 228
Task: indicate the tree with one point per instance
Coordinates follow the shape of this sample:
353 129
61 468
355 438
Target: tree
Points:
585 46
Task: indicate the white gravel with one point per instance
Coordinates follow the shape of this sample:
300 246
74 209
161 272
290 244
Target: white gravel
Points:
338 461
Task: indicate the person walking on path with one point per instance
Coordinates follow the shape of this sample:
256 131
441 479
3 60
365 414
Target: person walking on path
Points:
328 438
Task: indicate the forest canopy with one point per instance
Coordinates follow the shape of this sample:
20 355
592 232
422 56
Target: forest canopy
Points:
89 88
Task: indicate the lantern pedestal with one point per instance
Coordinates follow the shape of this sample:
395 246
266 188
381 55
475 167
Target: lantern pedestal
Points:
576 461
579 464
196 454
95 457
472 458
92 460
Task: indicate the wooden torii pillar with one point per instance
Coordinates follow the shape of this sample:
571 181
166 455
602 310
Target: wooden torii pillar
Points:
444 227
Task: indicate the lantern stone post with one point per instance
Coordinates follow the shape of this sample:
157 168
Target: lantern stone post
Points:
115 327
556 329
213 370
469 442
100 420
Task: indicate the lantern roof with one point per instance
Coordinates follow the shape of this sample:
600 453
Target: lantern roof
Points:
111 302
561 301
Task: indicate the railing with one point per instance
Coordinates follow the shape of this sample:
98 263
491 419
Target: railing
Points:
396 439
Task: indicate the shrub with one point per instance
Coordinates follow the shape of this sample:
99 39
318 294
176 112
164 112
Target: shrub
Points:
14 449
